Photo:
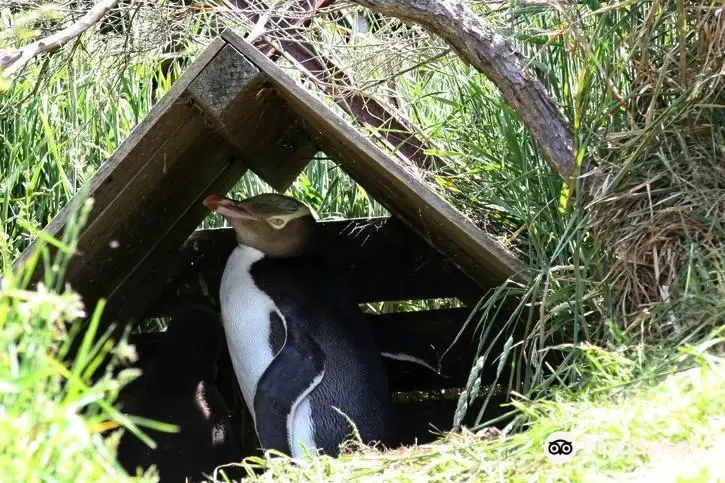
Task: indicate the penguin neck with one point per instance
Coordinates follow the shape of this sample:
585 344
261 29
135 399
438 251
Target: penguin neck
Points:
250 254
308 250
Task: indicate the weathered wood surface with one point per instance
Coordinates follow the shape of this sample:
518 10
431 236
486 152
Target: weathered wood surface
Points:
148 194
137 191
254 119
386 126
134 152
382 259
472 250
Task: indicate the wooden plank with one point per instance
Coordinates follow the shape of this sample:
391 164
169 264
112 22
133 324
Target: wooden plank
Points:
440 329
134 152
417 413
255 119
437 327
144 281
137 217
422 421
227 85
226 81
156 207
148 195
381 258
472 250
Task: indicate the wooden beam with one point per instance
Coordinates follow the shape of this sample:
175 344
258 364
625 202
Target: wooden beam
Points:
386 126
134 152
255 119
437 327
146 198
148 194
381 257
472 250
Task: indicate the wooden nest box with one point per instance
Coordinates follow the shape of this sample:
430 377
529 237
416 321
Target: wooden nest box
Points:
234 110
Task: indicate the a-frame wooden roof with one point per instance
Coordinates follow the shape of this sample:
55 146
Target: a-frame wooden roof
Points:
234 110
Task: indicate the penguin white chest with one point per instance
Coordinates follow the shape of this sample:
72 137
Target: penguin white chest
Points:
245 314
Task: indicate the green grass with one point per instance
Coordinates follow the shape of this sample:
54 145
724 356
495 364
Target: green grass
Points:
628 428
55 414
627 289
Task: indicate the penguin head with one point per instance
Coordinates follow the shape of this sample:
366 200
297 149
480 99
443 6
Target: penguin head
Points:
274 224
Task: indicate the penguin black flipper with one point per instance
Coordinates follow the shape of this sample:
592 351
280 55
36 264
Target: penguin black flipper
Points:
294 372
398 343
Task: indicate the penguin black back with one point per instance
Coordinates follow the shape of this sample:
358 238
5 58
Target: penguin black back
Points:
315 299
179 389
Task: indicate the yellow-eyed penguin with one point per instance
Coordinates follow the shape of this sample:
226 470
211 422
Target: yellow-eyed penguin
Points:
177 387
301 349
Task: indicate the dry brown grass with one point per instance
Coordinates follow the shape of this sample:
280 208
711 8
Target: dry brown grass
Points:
663 204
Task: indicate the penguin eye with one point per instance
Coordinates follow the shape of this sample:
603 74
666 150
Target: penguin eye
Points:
276 222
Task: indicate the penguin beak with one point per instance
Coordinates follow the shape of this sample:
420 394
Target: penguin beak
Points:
228 208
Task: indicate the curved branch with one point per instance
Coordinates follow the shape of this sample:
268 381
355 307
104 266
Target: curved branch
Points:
478 45
15 60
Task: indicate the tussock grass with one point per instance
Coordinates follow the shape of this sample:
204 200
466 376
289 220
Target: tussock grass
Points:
639 257
661 212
